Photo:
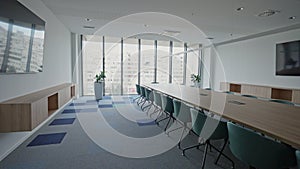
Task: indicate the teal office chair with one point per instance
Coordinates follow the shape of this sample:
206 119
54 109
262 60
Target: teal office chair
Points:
258 151
282 102
149 99
298 158
157 104
250 96
167 107
183 116
208 129
143 94
138 91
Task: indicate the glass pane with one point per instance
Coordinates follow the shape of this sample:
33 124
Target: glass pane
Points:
18 51
130 65
163 49
147 61
3 39
177 63
92 61
192 63
113 66
36 64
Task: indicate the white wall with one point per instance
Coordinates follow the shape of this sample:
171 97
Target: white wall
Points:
57 57
252 61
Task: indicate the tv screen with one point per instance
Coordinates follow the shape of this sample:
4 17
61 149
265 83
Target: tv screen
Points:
21 39
288 58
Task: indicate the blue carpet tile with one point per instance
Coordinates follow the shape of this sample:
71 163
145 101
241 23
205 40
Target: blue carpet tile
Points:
62 121
77 104
146 122
46 139
105 106
106 97
70 111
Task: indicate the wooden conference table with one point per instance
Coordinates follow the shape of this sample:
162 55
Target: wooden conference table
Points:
276 120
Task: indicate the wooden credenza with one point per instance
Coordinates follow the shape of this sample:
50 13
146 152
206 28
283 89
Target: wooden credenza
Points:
26 112
269 92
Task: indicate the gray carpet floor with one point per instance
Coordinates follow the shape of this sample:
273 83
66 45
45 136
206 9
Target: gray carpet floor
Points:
79 151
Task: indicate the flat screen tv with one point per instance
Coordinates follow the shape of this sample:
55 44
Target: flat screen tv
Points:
21 39
288 58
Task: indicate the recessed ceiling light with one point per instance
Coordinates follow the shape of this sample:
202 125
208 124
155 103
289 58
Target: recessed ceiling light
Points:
268 12
292 17
240 9
88 19
210 38
89 27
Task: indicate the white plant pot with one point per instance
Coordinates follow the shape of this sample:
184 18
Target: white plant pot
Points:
197 84
98 88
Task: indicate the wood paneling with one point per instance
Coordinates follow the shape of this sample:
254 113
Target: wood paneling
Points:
224 86
268 92
296 96
39 112
259 91
235 88
26 112
282 94
15 117
73 92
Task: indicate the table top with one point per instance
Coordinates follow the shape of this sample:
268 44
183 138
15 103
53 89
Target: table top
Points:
276 120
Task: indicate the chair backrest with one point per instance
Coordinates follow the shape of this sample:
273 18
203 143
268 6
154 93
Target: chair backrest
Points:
149 94
138 89
181 111
167 104
259 151
282 102
207 127
143 92
157 99
251 96
298 158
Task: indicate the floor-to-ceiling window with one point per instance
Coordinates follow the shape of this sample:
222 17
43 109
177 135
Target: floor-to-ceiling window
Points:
147 61
92 54
3 39
192 62
130 65
163 49
112 66
177 62
121 63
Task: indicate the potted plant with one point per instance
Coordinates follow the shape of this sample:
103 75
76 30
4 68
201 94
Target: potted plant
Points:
196 79
98 85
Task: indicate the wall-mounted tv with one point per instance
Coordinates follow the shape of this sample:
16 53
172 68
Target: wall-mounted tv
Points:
288 58
21 39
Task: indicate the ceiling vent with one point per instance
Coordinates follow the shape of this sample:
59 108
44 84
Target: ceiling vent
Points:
268 12
89 27
171 32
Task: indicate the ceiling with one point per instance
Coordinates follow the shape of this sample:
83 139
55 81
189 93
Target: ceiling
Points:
194 19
